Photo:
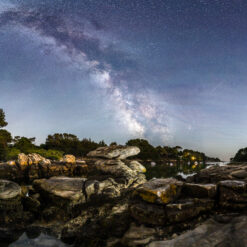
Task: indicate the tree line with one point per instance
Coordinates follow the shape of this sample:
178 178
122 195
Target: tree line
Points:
58 144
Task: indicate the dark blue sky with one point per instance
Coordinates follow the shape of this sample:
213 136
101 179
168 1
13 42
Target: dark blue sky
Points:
171 71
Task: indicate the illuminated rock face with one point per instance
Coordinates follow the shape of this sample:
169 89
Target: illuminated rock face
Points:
114 152
69 159
161 191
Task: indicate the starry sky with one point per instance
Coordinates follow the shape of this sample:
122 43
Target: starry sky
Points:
171 71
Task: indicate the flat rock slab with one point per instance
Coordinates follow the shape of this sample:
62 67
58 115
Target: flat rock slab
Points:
211 234
63 187
114 152
161 191
9 190
216 174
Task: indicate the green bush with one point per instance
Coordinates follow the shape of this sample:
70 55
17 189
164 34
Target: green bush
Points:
49 154
12 153
53 154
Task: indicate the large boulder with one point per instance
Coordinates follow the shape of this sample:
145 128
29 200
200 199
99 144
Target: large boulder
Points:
114 152
115 168
63 192
25 160
161 191
215 174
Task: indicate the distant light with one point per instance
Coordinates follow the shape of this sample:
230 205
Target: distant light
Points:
193 157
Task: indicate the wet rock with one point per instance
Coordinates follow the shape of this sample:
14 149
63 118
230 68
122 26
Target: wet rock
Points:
146 213
162 191
232 194
114 152
199 190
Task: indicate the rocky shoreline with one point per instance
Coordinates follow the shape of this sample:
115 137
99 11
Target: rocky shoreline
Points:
107 201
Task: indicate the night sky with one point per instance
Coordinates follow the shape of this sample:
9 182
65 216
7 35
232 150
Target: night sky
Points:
171 71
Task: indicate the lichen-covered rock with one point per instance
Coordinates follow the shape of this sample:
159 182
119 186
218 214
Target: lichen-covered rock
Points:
199 190
162 191
114 152
232 194
68 158
101 190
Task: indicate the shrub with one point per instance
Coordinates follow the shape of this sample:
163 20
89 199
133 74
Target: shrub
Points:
12 153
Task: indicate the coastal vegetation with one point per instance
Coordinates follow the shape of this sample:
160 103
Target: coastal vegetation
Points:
58 144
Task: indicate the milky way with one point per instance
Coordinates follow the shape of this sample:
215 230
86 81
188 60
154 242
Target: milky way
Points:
169 71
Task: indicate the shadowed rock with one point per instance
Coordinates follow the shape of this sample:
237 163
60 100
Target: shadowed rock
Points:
200 190
211 234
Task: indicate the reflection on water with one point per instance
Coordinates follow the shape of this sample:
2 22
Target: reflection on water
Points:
172 169
42 240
